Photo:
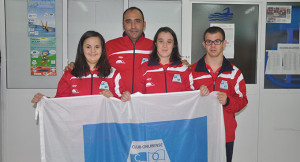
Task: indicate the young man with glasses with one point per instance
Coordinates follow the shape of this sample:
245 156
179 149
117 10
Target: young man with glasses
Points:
218 74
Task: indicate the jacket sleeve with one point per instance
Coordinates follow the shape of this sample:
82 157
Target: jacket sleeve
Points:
237 98
188 80
118 88
64 87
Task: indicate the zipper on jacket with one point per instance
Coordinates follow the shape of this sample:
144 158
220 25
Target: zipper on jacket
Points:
133 67
214 81
214 85
133 63
166 80
214 88
166 85
92 84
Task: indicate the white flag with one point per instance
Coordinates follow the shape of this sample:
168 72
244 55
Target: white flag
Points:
164 127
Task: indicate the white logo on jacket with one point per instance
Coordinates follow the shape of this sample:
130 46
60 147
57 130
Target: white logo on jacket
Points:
104 85
176 78
75 91
150 84
144 60
120 62
224 84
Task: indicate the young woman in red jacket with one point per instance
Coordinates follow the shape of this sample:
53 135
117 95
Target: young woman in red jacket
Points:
164 72
92 74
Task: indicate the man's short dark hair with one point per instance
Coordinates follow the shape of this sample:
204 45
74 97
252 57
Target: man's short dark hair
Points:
133 8
213 30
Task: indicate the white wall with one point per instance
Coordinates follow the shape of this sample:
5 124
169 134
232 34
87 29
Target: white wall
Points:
279 126
268 128
1 73
245 146
20 130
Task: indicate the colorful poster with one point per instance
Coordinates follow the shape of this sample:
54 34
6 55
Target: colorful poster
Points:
41 18
279 14
43 56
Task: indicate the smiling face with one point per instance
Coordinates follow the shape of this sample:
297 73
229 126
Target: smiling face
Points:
45 53
212 49
92 50
133 24
164 44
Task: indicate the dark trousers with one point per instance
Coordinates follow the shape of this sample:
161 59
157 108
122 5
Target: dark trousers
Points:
229 151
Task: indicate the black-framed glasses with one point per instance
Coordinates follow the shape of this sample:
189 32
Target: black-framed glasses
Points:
216 42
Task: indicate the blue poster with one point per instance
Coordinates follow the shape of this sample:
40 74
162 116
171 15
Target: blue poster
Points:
41 18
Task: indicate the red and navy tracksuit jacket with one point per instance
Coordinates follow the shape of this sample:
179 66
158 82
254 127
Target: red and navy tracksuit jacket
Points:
127 57
91 84
229 80
155 79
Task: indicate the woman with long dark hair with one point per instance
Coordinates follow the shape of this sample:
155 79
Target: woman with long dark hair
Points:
164 72
92 74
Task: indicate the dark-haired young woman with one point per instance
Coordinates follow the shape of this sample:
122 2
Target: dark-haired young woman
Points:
164 72
92 74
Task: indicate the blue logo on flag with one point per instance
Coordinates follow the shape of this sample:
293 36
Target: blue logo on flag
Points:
157 155
142 156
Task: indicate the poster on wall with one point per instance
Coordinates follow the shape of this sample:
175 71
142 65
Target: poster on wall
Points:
229 33
284 60
279 14
41 18
43 56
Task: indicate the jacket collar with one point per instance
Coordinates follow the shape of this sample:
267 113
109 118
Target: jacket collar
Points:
124 34
140 38
155 62
201 66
